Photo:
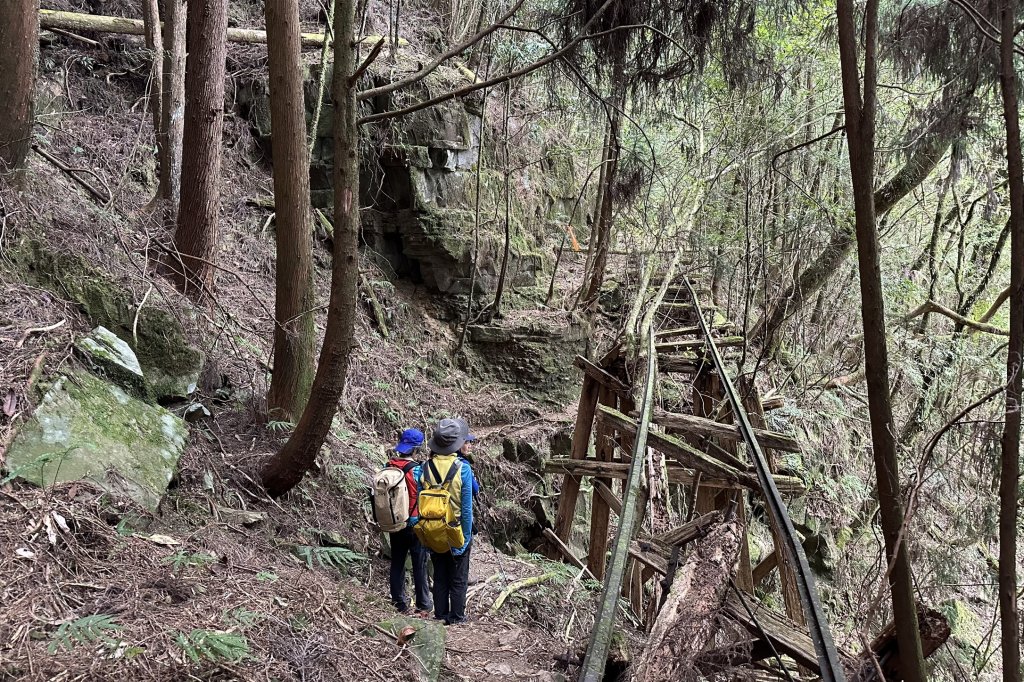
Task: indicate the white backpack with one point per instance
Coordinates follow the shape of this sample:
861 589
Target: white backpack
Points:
390 496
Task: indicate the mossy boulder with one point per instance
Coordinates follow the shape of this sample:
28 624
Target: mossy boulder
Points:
109 356
86 428
171 366
427 643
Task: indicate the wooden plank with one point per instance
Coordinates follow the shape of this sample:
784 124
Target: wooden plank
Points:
609 497
690 331
580 444
676 474
691 344
564 550
765 567
788 637
675 448
772 403
599 375
688 531
701 426
682 364
597 556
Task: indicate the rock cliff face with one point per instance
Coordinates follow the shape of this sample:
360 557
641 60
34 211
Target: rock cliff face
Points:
419 187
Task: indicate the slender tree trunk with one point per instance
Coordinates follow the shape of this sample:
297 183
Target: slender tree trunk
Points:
603 221
199 212
1009 475
287 467
172 110
860 128
503 273
19 36
155 44
294 331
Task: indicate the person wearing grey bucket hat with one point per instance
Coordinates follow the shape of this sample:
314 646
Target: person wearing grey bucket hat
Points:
446 467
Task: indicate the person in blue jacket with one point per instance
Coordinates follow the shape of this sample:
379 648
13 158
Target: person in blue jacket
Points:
451 568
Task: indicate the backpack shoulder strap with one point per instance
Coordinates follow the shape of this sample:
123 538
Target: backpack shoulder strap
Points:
432 472
409 466
455 468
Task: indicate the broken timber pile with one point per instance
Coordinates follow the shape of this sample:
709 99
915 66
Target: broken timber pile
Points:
704 459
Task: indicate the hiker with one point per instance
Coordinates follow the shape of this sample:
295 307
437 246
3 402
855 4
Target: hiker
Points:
466 452
446 518
404 541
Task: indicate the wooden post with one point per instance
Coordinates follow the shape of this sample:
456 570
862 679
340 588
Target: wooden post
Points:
605 447
580 444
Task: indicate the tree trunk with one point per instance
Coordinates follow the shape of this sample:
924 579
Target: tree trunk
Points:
155 44
172 110
1009 475
288 466
294 331
199 212
910 176
503 273
860 128
19 34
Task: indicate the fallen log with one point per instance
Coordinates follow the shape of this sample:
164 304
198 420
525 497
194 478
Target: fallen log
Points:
884 650
73 21
686 622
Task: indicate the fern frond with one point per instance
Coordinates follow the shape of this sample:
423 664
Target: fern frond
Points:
335 557
213 645
87 630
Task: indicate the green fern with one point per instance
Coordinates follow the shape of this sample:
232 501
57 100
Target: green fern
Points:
87 630
181 559
336 557
213 645
280 426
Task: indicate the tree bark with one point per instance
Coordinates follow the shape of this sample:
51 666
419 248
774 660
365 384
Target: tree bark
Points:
294 331
603 222
155 44
19 34
1009 474
172 109
288 466
860 128
199 212
499 290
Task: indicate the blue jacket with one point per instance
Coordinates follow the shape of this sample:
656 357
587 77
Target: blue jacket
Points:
466 503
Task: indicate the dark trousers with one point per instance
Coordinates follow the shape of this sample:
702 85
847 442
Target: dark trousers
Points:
451 581
404 543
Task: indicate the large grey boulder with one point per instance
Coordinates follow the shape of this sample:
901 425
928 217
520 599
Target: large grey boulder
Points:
86 428
108 355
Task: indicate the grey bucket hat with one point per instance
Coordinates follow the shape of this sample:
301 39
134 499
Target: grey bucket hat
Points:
448 436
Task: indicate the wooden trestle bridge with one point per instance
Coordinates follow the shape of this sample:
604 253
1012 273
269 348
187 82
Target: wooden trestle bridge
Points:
687 475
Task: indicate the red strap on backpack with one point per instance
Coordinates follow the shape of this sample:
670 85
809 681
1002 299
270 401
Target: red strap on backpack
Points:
407 466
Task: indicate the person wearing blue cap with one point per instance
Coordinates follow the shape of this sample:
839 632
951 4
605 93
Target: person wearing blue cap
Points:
404 542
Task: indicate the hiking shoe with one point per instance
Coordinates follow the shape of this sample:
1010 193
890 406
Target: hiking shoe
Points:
456 621
422 613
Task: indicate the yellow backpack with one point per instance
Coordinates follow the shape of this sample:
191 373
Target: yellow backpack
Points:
439 527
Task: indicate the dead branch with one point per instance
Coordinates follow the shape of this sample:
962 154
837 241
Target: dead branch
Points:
978 325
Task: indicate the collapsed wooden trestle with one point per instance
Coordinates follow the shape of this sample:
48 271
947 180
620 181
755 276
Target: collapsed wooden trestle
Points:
696 483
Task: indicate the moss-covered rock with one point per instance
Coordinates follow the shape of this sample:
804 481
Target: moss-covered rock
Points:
88 429
427 644
109 356
170 364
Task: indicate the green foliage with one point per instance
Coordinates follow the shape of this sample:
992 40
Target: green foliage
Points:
267 577
335 557
280 427
182 559
350 478
88 630
213 645
242 618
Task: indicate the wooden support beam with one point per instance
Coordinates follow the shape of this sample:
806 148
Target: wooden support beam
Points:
564 550
788 637
676 474
580 444
691 344
701 426
676 449
680 535
609 497
765 567
682 364
602 377
690 331
772 402
597 556
656 562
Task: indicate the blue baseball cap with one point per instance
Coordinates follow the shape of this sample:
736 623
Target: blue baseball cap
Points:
411 439
471 438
